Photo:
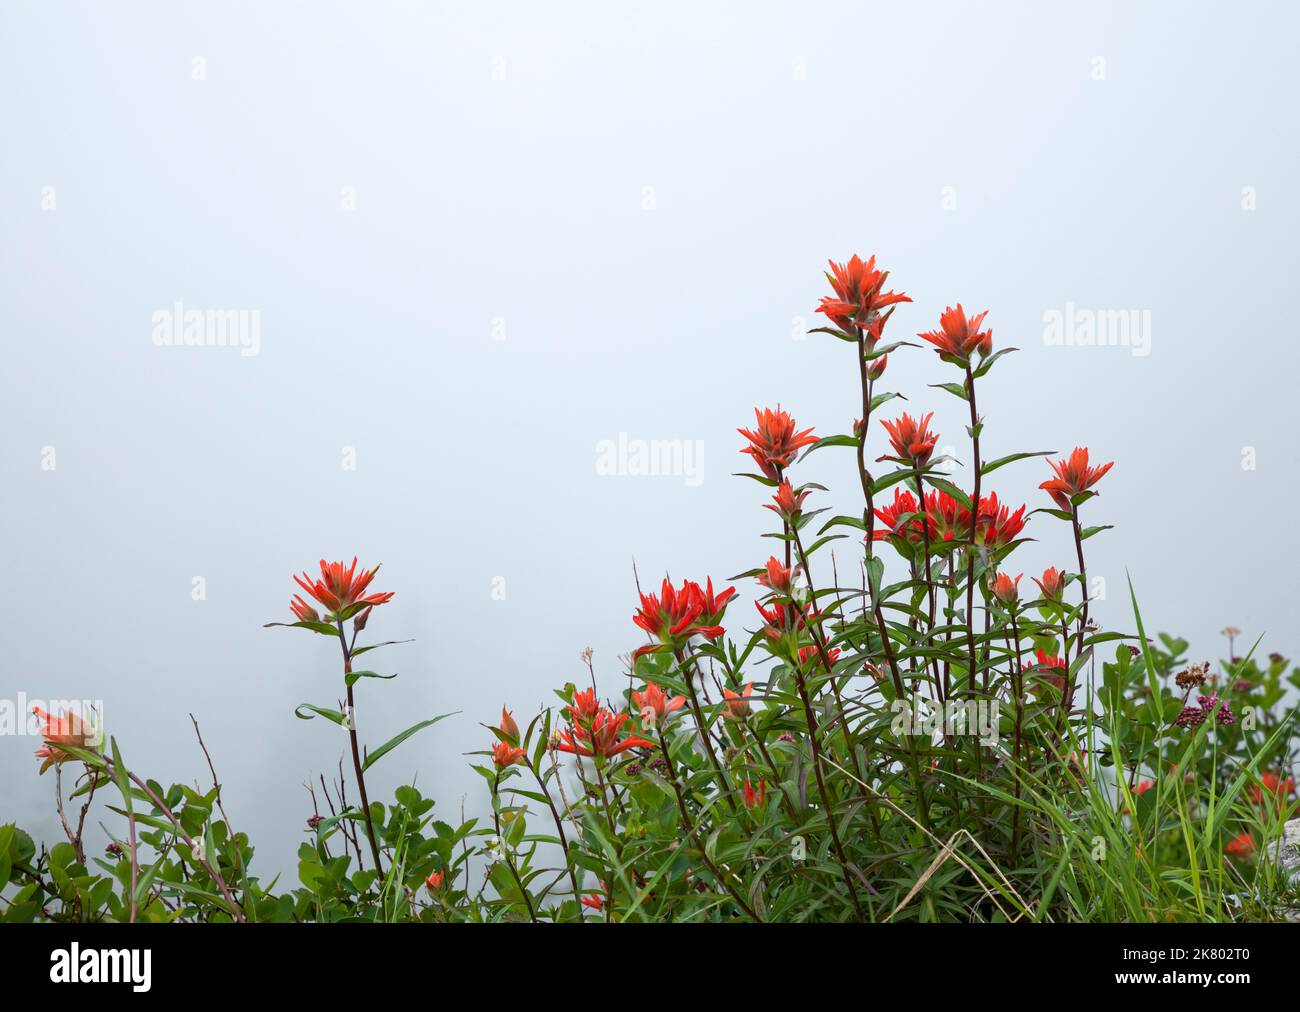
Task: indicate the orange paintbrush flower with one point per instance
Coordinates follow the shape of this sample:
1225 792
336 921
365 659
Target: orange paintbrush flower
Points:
911 438
1271 785
584 707
959 337
340 589
69 729
600 738
1052 584
504 754
755 798
434 882
775 440
654 705
1005 589
787 504
738 702
1073 475
778 577
1241 846
508 727
302 611
674 616
859 295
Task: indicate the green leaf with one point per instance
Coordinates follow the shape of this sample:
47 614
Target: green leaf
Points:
324 628
392 743
320 711
993 465
352 676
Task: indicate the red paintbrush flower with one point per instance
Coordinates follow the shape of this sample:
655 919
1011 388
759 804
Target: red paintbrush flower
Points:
959 337
434 882
1005 589
811 653
302 611
995 525
584 706
1053 666
1073 475
600 737
1052 584
859 295
653 703
69 729
341 590
896 518
778 577
780 618
737 703
674 616
788 504
1242 846
911 439
594 901
503 754
775 441
755 798
508 727
1273 785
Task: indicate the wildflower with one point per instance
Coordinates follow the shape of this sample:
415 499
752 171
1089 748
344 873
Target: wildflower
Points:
1192 677
995 525
434 882
1211 705
911 439
113 849
674 616
654 705
1272 784
753 798
786 737
1143 786
1005 589
779 618
958 337
341 590
302 610
859 295
1190 717
1052 584
66 730
634 769
1073 477
775 441
811 653
1242 846
738 702
1057 670
314 821
896 516
778 577
584 706
508 727
504 754
601 737
594 901
788 503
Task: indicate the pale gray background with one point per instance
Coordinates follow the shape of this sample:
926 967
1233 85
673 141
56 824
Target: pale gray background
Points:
522 198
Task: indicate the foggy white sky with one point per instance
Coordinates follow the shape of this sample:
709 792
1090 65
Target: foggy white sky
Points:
482 239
